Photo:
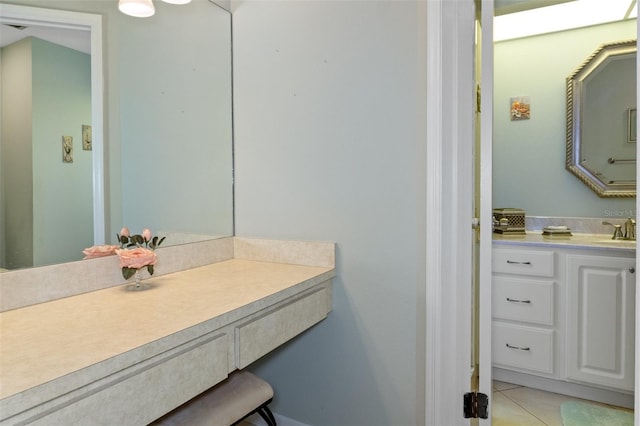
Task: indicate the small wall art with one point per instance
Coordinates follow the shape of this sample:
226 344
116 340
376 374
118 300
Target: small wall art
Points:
632 130
520 108
86 137
67 149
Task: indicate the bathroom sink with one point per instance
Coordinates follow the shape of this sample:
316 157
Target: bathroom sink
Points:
617 243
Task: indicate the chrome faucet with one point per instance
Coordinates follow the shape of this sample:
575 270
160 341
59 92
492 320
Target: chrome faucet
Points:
629 230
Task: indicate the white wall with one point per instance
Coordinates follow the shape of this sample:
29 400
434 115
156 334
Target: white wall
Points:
329 144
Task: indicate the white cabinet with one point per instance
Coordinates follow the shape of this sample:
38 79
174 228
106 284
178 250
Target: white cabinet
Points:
600 320
523 303
564 315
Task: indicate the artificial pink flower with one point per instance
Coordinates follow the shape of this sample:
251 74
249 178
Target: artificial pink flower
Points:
136 258
124 232
146 234
99 251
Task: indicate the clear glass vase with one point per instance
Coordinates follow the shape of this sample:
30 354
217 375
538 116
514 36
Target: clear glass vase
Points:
138 284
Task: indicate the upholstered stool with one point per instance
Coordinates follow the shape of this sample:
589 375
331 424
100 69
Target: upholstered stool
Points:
239 396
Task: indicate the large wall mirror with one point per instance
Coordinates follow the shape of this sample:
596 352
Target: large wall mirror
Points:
166 160
601 117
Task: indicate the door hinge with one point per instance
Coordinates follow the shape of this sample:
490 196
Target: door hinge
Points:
476 405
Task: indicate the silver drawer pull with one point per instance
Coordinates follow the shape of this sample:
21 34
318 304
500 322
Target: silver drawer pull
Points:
517 301
518 348
513 262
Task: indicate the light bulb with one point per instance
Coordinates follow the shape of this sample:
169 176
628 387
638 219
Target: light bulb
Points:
137 8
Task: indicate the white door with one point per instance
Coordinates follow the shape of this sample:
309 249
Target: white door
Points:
451 103
484 175
637 345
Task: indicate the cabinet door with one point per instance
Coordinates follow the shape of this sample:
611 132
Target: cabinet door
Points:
600 320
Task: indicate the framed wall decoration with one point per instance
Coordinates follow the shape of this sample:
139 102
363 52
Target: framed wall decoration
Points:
520 108
86 137
67 149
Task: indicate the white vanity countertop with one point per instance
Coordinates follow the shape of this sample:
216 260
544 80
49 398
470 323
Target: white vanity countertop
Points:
47 341
577 240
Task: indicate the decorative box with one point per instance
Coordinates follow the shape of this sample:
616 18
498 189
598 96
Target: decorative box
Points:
508 221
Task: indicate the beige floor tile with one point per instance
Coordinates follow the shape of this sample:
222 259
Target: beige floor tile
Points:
501 386
514 405
508 413
543 405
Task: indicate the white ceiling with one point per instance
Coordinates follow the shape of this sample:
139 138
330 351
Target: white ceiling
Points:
515 21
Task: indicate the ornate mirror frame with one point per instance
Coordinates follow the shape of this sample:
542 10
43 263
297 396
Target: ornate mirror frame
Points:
575 161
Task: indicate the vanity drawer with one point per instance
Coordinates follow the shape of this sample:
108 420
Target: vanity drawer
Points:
145 391
262 334
522 347
523 262
523 300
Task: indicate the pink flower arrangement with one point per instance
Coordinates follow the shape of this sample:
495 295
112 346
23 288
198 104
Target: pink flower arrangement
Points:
137 258
99 251
137 251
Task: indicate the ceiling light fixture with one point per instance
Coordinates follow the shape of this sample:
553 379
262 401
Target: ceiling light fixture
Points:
142 8
137 8
560 17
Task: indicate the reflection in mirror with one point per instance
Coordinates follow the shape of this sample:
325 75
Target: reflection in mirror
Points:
176 122
168 146
601 149
51 142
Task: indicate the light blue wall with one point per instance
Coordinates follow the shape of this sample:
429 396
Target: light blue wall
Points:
48 205
174 73
62 192
329 138
529 155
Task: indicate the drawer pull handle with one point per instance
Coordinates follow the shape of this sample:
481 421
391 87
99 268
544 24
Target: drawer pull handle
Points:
513 262
526 348
517 301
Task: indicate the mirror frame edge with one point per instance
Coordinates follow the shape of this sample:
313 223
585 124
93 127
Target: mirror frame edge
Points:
87 22
573 131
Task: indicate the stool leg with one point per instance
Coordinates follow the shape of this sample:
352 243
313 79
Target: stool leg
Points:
267 415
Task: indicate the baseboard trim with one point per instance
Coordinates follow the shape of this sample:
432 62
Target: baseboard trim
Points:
591 393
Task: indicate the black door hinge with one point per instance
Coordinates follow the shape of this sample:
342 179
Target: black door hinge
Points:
476 405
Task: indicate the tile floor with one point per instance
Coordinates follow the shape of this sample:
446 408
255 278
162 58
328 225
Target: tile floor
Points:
516 405
513 405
